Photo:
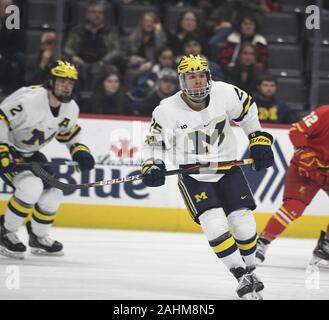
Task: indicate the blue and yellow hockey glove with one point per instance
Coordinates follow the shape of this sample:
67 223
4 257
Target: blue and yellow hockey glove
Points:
6 159
81 154
260 143
153 171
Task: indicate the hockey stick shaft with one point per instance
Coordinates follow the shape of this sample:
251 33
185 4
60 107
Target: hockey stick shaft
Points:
52 163
44 175
46 164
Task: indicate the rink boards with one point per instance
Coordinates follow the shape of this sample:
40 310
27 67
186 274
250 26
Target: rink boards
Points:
116 145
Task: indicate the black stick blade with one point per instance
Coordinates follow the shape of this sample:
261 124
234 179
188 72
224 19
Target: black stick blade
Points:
52 181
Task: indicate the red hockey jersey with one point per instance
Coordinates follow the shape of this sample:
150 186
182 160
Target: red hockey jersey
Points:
313 132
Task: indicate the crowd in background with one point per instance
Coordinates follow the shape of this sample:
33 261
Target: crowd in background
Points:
129 74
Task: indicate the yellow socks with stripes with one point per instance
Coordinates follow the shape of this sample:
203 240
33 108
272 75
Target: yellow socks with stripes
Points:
225 247
17 211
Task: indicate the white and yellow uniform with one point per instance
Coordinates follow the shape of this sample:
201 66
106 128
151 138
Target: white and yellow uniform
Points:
215 201
28 123
190 136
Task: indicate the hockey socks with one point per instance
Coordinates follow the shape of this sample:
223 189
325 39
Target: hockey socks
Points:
277 224
16 212
42 221
226 249
247 250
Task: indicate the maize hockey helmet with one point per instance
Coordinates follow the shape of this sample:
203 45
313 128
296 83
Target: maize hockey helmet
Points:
194 64
61 69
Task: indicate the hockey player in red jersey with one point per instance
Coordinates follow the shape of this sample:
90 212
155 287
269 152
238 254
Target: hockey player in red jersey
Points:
307 174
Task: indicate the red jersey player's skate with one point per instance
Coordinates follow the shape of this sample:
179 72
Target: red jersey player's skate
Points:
307 174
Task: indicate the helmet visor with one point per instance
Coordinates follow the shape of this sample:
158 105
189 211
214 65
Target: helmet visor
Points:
196 90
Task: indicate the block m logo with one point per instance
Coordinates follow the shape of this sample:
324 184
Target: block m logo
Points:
200 197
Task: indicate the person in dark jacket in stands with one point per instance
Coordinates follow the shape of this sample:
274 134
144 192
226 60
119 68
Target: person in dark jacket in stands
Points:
193 44
36 67
271 109
247 29
94 44
188 23
144 43
222 17
147 81
167 85
244 73
108 96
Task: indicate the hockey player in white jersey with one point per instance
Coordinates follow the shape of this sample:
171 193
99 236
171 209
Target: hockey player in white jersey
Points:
193 127
29 119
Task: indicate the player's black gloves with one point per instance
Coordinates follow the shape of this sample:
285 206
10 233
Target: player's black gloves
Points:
153 172
6 159
260 143
81 154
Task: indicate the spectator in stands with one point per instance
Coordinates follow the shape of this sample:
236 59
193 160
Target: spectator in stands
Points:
145 41
12 57
194 45
188 22
36 66
147 81
167 85
244 73
246 30
271 5
271 109
133 2
93 44
222 17
182 3
162 4
108 97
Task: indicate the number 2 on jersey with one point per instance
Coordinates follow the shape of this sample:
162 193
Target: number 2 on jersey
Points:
15 110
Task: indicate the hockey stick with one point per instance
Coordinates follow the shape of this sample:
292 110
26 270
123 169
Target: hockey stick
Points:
52 181
46 164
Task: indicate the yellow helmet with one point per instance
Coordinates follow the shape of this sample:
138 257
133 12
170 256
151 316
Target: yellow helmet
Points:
64 69
194 64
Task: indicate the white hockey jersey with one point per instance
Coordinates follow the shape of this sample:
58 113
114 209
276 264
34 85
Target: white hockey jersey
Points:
188 136
27 123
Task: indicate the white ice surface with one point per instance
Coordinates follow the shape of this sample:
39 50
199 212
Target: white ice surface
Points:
120 265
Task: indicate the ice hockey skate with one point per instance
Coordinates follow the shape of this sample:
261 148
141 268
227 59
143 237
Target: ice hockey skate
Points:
258 284
262 246
43 245
250 286
10 245
321 252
